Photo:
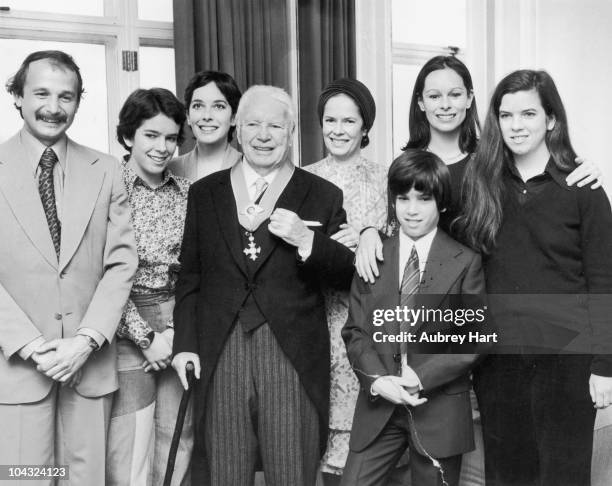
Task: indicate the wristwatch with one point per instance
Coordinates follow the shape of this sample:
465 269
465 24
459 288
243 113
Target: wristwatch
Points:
146 341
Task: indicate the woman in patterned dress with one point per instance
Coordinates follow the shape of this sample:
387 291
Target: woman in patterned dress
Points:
346 113
145 406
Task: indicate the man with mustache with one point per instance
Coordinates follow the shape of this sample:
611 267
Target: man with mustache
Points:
67 259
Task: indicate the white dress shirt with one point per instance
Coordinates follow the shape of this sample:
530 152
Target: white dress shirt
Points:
423 245
35 149
251 177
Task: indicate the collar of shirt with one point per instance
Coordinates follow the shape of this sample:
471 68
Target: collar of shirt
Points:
550 171
423 245
131 178
250 177
35 149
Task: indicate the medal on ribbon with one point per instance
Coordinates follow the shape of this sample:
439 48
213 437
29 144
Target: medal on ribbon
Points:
252 251
254 212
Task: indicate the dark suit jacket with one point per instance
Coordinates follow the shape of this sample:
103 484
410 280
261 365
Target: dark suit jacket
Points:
214 283
444 423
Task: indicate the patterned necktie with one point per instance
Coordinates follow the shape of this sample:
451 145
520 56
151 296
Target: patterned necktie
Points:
410 286
47 196
260 187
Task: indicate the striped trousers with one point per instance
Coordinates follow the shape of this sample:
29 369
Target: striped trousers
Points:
258 412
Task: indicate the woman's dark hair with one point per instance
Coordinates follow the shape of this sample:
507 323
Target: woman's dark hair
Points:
420 131
16 83
482 191
224 82
422 171
144 104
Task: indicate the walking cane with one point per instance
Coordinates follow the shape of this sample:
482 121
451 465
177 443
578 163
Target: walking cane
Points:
178 428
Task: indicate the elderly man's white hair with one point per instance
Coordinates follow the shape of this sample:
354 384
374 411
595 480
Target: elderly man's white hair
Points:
259 90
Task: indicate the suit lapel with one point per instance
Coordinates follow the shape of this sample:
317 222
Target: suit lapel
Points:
386 290
19 187
291 199
82 186
227 218
441 271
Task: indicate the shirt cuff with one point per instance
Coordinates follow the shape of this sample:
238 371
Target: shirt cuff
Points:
410 371
132 326
26 351
93 334
302 255
305 250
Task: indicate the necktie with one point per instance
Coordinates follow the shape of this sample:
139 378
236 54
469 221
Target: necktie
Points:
47 196
410 286
260 187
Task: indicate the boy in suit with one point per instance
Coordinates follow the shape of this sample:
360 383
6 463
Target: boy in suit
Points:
414 394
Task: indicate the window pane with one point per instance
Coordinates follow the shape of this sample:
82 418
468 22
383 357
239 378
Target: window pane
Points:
75 7
90 125
404 76
160 10
434 22
156 66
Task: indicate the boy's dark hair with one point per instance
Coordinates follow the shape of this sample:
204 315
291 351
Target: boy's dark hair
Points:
15 84
144 104
224 82
422 171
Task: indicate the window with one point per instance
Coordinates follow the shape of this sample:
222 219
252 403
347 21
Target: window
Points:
100 35
155 10
72 7
420 31
151 62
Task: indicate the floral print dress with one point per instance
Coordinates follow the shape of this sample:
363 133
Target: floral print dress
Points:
364 185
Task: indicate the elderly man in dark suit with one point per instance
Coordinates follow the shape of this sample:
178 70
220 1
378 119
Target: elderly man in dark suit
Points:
249 307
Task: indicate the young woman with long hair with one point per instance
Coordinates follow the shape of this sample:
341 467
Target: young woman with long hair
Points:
548 265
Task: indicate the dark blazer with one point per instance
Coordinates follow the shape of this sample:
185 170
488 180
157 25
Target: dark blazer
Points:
444 423
214 282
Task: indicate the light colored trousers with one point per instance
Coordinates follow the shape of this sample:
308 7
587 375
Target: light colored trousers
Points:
601 467
63 429
144 414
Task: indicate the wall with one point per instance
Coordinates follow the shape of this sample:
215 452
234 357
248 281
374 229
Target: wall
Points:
573 42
